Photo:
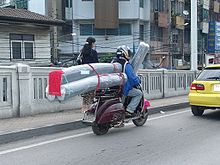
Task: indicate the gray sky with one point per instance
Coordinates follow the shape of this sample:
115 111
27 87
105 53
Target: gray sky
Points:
37 6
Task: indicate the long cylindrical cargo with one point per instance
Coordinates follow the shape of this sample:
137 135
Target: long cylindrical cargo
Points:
79 72
91 83
81 79
139 56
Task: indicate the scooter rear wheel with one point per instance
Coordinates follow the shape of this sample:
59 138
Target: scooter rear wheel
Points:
99 129
143 118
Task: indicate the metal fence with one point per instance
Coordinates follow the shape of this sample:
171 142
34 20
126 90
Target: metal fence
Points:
22 89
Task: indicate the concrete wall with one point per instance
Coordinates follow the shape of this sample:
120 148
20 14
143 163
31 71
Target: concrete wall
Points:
22 92
22 89
127 10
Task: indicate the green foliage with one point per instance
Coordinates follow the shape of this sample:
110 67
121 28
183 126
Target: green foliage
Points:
106 57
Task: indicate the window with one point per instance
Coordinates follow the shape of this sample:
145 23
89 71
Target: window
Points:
205 14
175 38
98 31
141 3
28 50
69 3
86 29
16 50
21 4
112 32
89 29
156 33
158 5
142 32
22 46
209 74
125 29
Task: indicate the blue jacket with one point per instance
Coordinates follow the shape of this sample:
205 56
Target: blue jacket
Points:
132 79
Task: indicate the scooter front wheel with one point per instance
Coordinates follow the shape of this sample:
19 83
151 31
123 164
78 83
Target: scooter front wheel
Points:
143 118
99 129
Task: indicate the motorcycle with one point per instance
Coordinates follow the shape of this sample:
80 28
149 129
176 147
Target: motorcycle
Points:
108 111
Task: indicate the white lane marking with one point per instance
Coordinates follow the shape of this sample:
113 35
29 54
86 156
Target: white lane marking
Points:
160 117
168 115
43 143
75 136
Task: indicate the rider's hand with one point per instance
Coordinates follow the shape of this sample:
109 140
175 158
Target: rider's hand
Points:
138 86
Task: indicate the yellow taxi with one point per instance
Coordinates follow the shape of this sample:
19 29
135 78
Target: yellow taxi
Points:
205 90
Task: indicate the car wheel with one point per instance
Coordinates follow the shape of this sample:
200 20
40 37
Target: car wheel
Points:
197 111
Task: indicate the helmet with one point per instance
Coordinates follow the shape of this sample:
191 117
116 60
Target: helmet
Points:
123 51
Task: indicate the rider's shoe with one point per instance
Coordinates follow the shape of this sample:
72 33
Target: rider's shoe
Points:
129 114
129 111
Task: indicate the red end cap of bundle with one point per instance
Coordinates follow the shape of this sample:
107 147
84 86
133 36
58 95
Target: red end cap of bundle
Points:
55 78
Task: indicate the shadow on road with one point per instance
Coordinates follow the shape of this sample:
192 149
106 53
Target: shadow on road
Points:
211 115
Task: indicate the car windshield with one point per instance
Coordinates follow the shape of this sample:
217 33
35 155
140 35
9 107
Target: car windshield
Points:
209 74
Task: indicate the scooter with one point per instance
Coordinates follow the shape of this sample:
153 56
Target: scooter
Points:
108 111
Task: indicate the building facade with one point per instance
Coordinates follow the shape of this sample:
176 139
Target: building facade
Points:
111 22
165 24
170 31
25 37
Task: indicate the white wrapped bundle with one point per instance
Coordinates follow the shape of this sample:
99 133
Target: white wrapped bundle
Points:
91 84
81 79
78 72
139 56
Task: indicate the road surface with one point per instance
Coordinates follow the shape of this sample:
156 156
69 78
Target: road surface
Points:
171 138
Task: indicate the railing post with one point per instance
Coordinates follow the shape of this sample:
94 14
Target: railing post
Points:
24 86
176 81
163 85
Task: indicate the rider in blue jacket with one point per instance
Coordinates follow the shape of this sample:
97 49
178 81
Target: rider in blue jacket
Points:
133 81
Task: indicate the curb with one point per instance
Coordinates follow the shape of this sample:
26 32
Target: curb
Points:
168 108
52 129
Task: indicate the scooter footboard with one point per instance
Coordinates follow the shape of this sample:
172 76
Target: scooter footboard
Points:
112 110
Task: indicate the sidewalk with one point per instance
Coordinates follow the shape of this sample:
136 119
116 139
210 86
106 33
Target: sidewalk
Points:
14 129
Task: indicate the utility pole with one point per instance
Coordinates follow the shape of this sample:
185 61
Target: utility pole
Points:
185 13
194 36
170 34
54 32
73 31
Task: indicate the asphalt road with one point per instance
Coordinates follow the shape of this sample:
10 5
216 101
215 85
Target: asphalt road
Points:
173 138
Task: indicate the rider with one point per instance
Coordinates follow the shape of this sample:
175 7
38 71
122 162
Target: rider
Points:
133 82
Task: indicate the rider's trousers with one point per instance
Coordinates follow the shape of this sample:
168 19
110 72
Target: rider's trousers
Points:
136 95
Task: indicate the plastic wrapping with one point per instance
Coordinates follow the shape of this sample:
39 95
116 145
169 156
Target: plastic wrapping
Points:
85 78
91 83
139 56
79 72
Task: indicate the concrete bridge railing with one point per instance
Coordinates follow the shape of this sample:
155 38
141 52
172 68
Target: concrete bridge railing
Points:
22 89
160 84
